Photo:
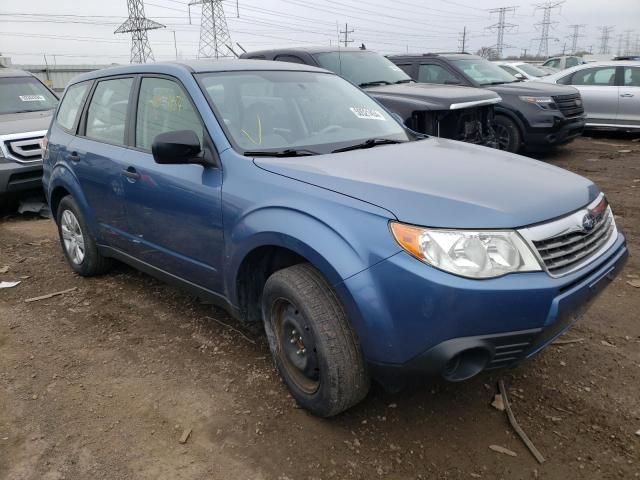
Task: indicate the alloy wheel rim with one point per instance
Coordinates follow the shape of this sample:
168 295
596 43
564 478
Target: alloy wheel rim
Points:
503 137
297 346
72 237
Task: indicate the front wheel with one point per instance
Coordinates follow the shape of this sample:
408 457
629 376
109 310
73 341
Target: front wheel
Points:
312 343
507 134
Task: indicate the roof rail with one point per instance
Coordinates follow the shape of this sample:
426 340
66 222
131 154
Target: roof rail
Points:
445 53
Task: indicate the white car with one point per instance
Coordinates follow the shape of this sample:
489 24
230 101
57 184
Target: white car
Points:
610 92
522 70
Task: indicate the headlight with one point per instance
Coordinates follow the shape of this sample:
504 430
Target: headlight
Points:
545 103
473 254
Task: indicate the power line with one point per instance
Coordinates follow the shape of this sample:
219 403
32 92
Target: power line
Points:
138 25
605 36
547 7
575 36
501 26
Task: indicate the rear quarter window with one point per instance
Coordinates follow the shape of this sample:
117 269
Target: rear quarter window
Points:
71 105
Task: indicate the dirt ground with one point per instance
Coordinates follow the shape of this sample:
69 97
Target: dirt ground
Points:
101 382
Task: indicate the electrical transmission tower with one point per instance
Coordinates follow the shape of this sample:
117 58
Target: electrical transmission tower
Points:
346 32
214 33
501 26
547 7
605 36
627 42
575 36
138 25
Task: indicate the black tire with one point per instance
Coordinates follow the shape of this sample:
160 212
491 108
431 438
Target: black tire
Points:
92 263
507 134
299 296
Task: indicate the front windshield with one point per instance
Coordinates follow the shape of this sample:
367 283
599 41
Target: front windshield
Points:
362 68
24 94
532 70
277 110
483 71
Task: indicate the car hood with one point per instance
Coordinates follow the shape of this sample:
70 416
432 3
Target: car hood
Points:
437 97
443 183
533 87
25 122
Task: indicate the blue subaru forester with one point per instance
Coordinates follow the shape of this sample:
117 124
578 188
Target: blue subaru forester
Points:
287 195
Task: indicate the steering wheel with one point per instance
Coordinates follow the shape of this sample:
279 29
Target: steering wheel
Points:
329 129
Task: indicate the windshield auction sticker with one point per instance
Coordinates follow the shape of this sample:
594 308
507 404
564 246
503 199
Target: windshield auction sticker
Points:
367 113
32 98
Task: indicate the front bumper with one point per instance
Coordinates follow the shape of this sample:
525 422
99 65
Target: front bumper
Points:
551 129
412 318
16 177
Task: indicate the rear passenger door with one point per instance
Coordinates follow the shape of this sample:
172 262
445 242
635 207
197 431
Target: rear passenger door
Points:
599 92
174 211
629 106
98 156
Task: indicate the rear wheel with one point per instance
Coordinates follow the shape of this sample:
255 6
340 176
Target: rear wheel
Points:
312 343
78 245
507 134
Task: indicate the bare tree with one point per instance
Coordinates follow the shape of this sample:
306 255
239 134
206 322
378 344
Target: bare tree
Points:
488 52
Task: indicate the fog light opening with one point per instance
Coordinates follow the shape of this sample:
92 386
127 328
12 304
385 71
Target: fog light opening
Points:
466 364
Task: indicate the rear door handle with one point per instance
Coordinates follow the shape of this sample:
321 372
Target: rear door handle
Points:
131 174
626 95
74 157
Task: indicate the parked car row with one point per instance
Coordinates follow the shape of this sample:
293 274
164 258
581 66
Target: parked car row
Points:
291 197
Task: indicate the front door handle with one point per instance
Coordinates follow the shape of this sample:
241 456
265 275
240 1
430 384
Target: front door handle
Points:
626 95
74 157
131 174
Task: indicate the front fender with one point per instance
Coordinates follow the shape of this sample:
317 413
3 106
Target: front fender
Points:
339 249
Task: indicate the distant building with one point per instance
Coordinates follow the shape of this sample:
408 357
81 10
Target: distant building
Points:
57 77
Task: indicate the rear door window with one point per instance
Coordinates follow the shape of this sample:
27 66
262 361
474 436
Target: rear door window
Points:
603 76
289 58
632 76
572 62
107 113
553 63
71 105
431 73
163 106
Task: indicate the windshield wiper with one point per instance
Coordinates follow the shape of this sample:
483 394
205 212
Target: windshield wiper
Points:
373 84
407 80
290 152
372 142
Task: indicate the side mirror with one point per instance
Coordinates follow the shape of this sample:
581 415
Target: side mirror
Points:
179 147
520 76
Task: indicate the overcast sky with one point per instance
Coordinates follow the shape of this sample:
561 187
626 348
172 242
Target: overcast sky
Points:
84 33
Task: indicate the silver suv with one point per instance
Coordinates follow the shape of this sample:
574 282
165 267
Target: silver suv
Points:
26 106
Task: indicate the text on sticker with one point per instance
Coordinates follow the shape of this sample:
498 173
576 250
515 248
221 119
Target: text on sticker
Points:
367 113
32 98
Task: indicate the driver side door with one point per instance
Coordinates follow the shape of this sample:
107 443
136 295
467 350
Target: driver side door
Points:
174 211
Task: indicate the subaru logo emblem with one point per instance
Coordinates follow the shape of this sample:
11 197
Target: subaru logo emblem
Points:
578 102
588 222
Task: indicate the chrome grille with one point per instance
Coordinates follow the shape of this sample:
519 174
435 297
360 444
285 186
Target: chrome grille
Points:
569 243
570 105
25 149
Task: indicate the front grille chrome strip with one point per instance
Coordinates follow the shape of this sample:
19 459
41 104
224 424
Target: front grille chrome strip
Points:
563 246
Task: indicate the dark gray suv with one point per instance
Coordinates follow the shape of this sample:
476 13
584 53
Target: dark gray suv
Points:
26 106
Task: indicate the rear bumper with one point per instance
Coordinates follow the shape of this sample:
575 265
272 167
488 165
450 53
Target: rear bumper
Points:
416 320
15 177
